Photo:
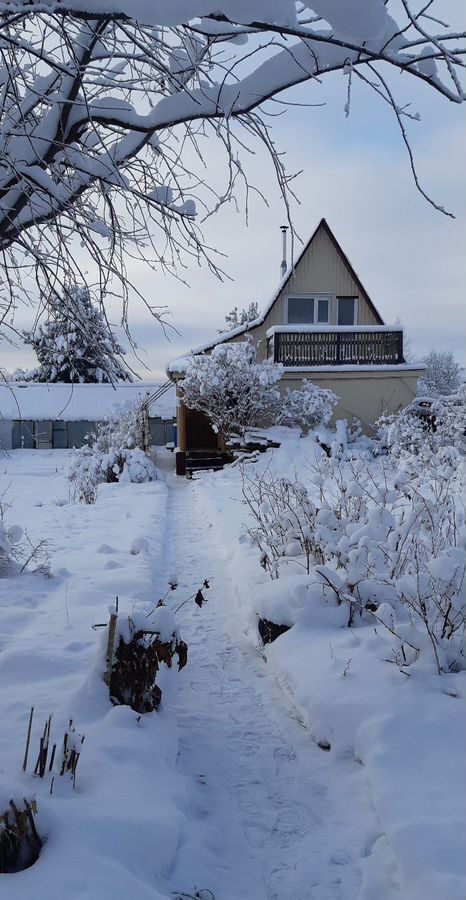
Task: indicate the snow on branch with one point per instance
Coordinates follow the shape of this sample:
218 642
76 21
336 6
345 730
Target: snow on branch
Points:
106 108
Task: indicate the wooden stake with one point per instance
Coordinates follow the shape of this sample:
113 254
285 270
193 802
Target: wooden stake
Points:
28 740
110 646
52 758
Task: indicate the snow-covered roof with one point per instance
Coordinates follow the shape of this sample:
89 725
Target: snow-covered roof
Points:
339 329
78 402
180 365
242 329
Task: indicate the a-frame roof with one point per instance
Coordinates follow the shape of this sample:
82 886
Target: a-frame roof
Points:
323 224
242 329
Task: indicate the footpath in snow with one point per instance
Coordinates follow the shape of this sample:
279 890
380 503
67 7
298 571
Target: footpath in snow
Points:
272 816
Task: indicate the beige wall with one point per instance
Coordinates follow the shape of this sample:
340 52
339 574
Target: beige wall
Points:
364 395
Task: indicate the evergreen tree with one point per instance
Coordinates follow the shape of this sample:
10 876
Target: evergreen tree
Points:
75 344
235 318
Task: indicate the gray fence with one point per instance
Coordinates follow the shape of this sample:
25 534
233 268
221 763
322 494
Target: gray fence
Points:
61 435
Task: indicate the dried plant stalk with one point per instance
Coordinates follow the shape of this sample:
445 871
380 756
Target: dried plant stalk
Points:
28 740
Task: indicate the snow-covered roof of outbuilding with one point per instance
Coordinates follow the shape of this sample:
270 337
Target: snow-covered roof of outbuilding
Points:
78 402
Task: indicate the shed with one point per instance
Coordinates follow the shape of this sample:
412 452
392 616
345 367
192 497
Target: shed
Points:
37 415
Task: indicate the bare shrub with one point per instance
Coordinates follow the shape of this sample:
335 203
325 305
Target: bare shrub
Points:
284 519
17 550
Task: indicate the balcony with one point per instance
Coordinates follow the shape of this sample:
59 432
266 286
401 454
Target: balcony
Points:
302 346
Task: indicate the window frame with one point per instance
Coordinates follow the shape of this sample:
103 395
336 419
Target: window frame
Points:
316 298
355 310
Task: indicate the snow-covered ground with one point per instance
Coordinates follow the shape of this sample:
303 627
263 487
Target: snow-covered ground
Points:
404 732
225 788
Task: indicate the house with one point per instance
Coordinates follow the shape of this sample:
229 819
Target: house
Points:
38 415
321 325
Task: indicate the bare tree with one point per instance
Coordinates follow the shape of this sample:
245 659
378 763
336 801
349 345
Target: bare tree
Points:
104 117
443 374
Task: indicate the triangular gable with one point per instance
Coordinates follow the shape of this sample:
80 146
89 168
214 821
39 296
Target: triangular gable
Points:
292 271
324 224
289 274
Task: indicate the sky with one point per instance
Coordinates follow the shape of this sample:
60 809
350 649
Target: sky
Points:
354 172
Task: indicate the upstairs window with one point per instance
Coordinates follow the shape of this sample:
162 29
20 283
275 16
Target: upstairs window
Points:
300 310
308 309
323 308
346 310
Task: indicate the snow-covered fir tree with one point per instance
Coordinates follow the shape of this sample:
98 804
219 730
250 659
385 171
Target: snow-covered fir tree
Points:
442 376
236 318
75 345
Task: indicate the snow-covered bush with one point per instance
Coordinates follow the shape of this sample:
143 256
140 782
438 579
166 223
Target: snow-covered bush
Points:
141 647
388 542
442 376
137 644
233 390
117 451
307 408
425 426
284 521
75 345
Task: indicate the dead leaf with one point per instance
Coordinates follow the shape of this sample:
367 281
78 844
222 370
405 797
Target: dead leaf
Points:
200 599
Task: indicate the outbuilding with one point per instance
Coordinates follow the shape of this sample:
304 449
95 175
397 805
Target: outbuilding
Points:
37 415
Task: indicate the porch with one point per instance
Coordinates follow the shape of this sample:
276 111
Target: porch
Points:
301 346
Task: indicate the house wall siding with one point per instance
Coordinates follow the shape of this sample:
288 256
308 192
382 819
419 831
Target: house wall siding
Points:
364 395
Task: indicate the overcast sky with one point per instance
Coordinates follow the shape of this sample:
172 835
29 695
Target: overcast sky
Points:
355 173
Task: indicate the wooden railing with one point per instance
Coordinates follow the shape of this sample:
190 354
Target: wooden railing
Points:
336 348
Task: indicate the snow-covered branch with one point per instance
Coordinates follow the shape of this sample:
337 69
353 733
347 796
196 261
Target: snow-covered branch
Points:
105 108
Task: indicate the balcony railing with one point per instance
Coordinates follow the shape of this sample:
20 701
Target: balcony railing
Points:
335 346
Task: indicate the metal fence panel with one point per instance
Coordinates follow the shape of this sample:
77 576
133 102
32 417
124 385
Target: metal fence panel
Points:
43 432
59 434
161 431
23 434
77 432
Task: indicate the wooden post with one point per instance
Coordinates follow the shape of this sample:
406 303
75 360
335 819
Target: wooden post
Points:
28 740
180 462
110 645
181 427
399 347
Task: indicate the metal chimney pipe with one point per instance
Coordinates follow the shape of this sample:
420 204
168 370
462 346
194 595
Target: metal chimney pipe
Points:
283 264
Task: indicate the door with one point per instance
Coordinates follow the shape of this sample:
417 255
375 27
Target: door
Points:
199 432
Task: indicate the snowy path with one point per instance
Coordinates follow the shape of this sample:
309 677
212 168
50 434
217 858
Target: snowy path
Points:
271 816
